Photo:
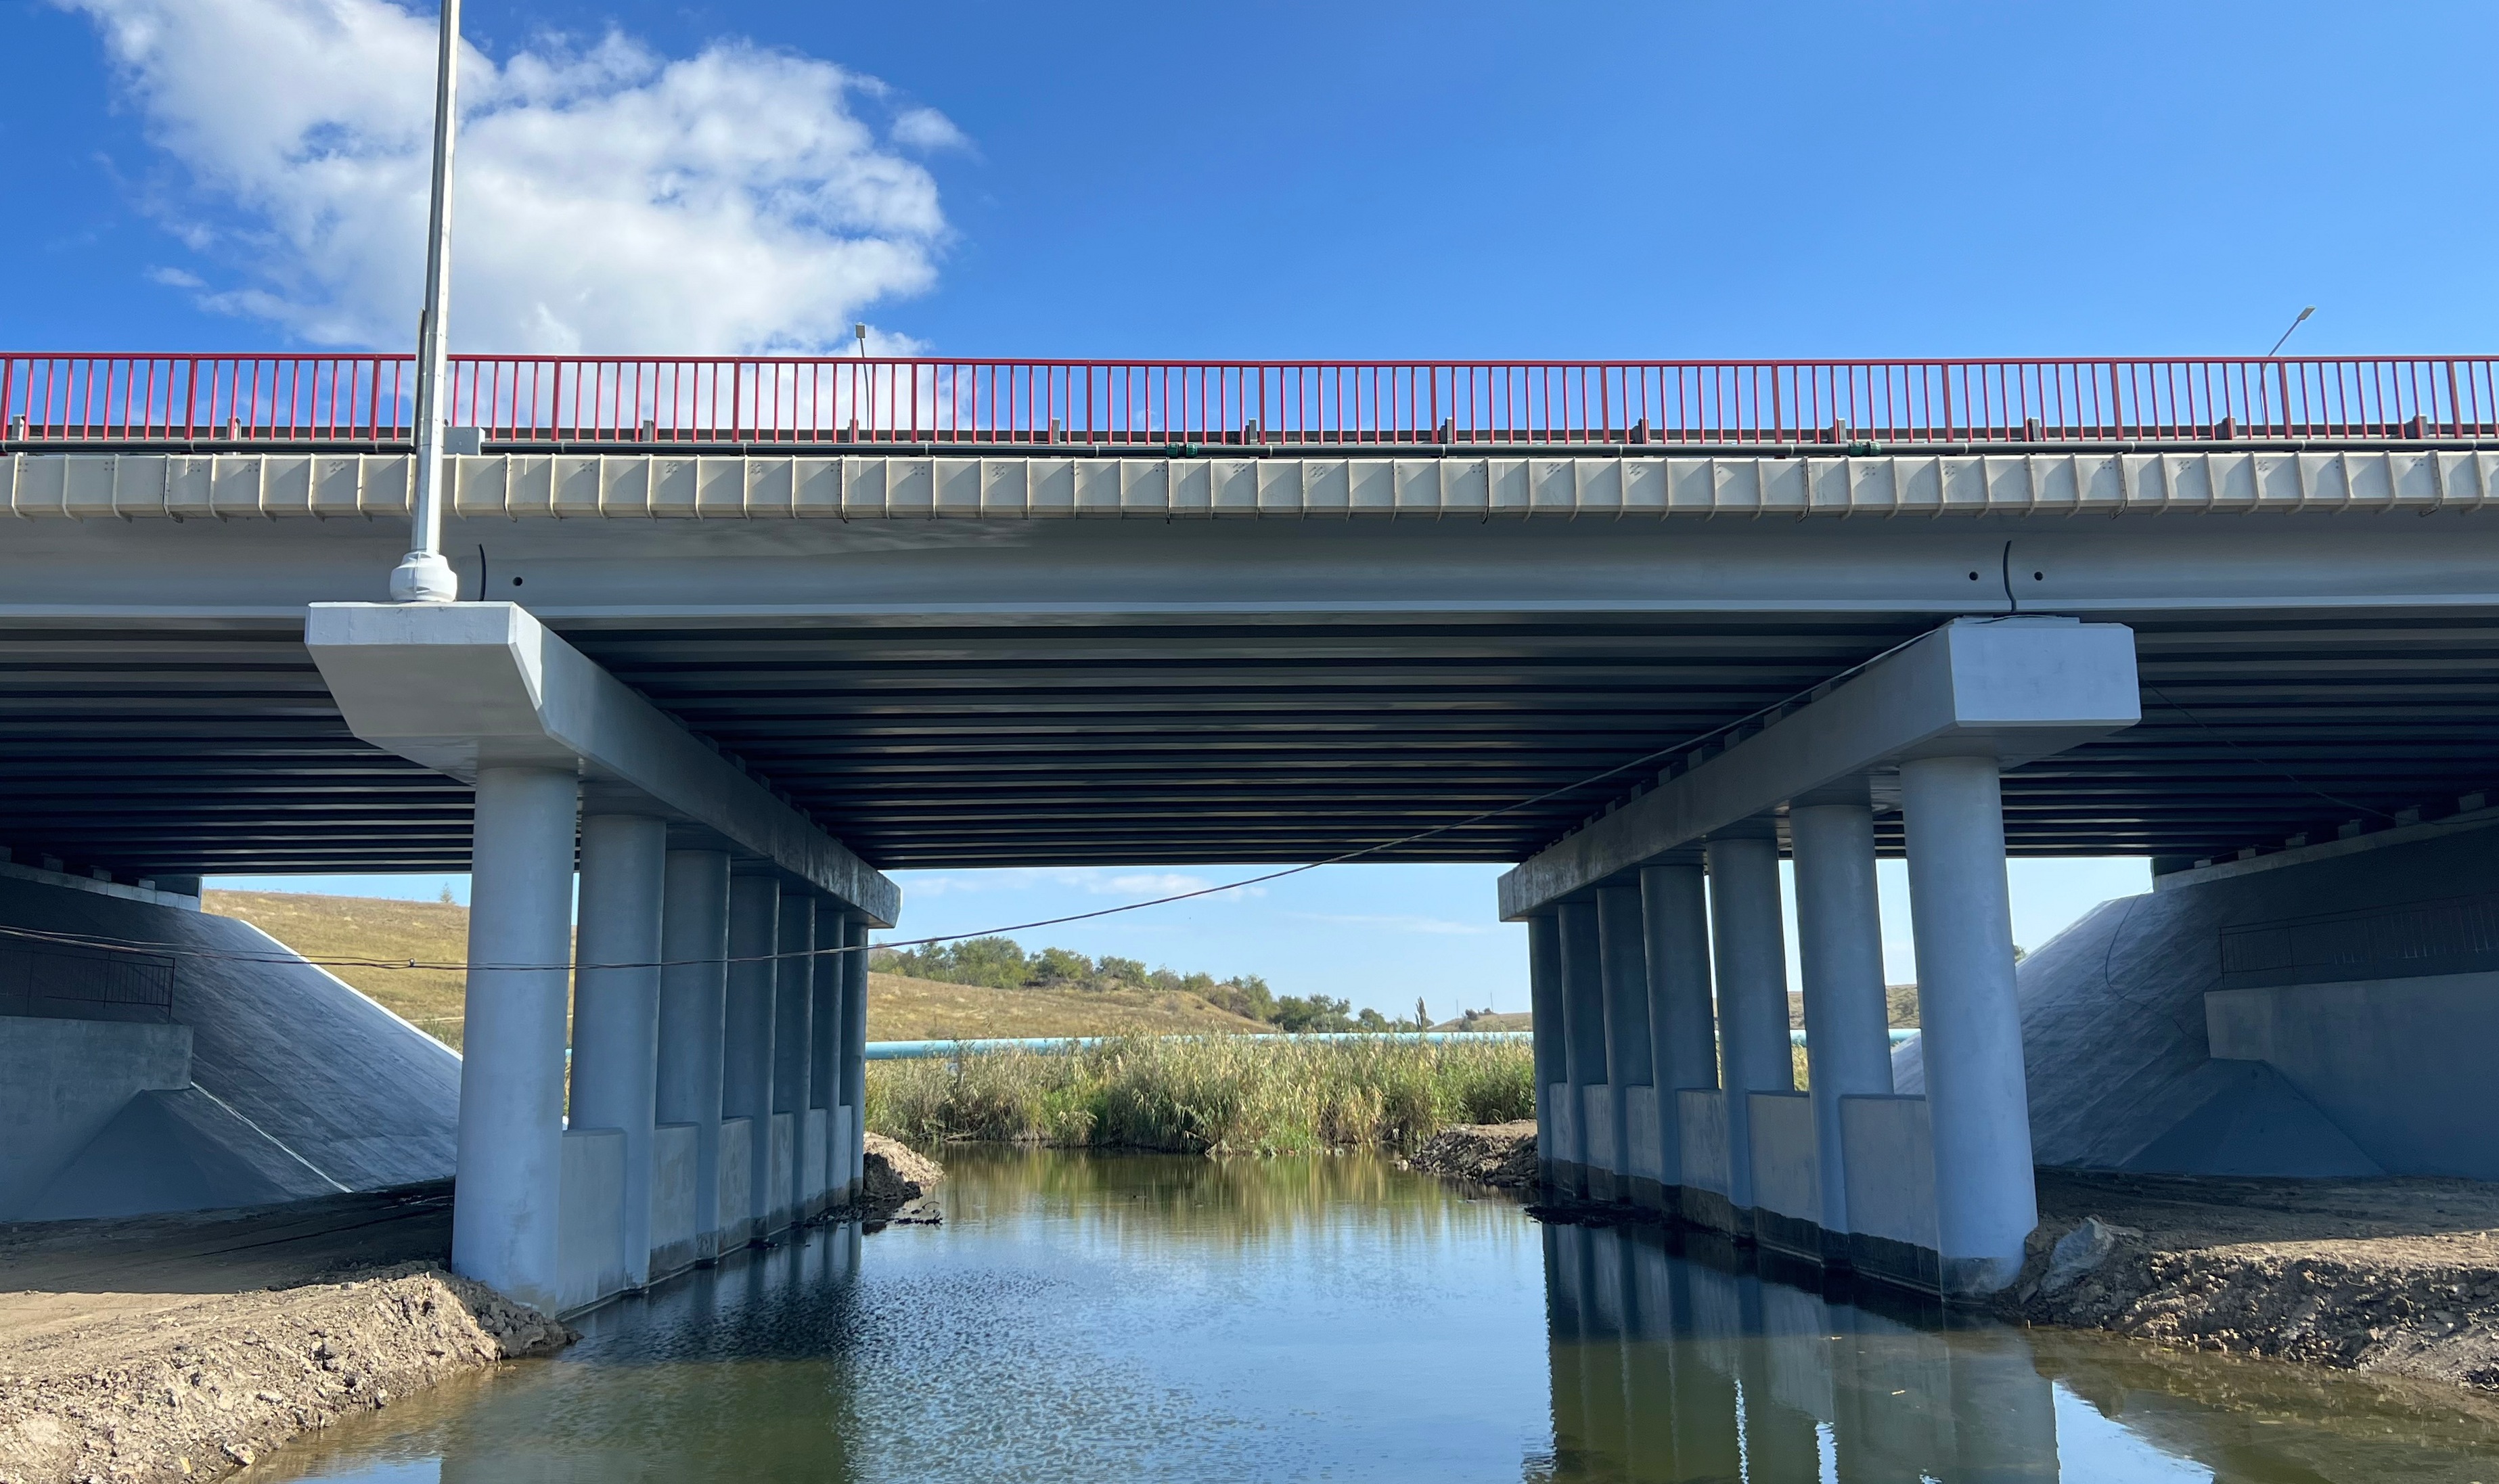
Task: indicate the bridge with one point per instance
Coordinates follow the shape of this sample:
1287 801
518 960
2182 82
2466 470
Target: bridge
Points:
735 634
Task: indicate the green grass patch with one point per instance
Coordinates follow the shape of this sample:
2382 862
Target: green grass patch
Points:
1215 1094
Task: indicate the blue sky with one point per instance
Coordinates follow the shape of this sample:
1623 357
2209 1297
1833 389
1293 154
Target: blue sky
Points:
1386 179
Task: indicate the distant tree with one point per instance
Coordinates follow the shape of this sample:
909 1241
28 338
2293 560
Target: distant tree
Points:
1371 1020
1121 971
1318 1013
1422 1016
1063 966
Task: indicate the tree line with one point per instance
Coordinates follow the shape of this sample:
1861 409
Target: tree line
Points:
1001 964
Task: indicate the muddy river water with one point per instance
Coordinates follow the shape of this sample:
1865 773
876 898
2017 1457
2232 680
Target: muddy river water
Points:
1085 1317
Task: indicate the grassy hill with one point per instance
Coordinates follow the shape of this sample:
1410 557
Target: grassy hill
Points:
899 1009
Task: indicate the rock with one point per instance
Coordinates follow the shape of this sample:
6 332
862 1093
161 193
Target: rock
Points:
2081 1251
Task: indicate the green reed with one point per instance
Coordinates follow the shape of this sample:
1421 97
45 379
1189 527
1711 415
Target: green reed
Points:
1208 1094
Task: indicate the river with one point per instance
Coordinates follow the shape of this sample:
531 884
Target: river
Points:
1082 1317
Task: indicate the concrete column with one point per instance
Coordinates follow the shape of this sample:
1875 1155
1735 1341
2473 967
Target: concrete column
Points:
824 1059
1986 1202
746 1043
1683 1023
1552 1044
1622 949
694 989
1840 954
855 1048
1750 950
1583 1021
794 1041
511 1141
616 1003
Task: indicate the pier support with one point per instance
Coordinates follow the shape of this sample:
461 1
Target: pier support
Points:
510 1145
1839 957
746 1055
1750 946
616 1006
1986 1202
1551 1046
694 988
1630 1052
1583 1022
1683 1022
825 1058
855 1052
794 1053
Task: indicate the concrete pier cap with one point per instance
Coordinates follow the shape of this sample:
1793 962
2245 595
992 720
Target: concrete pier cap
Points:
2016 688
461 687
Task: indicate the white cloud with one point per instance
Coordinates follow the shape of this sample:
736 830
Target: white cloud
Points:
927 129
609 200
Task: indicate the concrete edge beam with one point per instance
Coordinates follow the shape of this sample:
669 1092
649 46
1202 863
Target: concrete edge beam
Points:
1115 485
2016 688
457 687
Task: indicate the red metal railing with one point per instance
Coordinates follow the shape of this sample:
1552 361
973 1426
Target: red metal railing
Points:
318 400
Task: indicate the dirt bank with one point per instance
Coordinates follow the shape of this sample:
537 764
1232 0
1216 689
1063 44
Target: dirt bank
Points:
186 1346
897 1186
2398 1276
1499 1154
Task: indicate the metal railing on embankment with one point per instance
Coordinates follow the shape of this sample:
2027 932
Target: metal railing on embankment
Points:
918 1051
68 399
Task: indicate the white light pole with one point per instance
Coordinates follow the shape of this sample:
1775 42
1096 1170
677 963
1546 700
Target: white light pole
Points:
422 576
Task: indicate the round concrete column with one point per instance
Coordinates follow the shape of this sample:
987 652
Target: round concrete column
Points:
1683 1025
855 1046
1551 1044
1622 947
825 1049
511 1141
1986 1202
793 1039
616 1003
694 989
1583 1022
1750 950
746 1045
1840 954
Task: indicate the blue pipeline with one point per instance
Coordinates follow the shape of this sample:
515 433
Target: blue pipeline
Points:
914 1051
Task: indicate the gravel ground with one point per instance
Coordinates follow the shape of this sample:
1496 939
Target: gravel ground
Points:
187 1346
2397 1276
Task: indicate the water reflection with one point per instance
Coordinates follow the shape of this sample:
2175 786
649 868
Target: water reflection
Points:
1085 1317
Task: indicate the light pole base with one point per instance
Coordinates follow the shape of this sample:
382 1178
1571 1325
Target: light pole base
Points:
424 578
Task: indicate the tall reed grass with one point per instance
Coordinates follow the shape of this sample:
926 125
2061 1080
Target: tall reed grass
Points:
1209 1094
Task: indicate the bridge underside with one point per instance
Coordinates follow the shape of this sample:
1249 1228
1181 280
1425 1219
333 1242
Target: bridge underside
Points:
1023 693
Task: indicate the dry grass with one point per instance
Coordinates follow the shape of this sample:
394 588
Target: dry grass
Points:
899 1009
336 928
1212 1094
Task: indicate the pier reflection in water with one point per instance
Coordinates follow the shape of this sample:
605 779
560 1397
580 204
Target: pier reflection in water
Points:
1084 1318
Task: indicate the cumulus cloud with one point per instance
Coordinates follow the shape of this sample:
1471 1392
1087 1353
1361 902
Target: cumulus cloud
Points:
609 199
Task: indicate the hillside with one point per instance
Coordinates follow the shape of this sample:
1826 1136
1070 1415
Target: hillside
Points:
899 1009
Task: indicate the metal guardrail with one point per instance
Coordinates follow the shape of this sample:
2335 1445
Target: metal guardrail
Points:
61 398
75 985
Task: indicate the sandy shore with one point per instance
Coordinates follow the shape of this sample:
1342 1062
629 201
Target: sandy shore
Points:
187 1346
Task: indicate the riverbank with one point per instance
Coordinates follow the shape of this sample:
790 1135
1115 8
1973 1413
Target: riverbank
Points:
1216 1094
2395 1277
2392 1277
188 1346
